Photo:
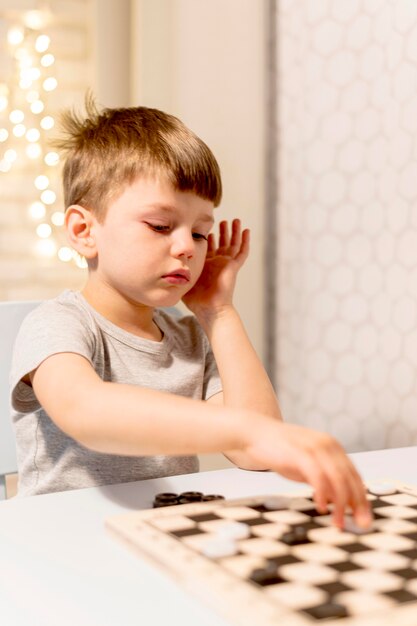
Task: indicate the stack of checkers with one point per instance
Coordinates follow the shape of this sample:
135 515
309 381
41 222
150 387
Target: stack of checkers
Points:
172 499
285 547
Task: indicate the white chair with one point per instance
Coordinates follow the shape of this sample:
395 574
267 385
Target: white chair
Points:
11 317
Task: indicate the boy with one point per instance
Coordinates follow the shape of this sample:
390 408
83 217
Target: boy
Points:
106 387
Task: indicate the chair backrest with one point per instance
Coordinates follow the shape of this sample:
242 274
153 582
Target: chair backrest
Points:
11 317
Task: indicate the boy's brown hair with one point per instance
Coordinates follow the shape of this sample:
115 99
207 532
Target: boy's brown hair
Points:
109 149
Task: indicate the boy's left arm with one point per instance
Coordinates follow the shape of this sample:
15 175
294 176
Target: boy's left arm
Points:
244 380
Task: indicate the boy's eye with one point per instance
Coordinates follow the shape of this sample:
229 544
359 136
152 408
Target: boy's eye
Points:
199 237
159 228
162 228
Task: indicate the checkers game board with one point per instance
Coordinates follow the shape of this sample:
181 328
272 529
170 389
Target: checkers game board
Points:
274 560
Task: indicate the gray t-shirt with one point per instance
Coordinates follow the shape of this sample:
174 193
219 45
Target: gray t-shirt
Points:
182 363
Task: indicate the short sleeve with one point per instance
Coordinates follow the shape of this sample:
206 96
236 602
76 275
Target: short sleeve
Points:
51 328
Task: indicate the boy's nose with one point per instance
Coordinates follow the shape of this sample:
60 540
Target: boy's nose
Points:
183 245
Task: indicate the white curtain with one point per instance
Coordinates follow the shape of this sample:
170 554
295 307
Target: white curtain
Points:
346 334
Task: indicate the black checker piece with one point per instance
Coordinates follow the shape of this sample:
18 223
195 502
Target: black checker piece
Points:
295 537
264 576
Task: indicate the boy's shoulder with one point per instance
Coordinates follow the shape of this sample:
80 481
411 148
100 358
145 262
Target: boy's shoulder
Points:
60 314
66 302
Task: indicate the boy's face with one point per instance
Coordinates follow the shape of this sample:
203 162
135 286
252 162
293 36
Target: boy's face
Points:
152 245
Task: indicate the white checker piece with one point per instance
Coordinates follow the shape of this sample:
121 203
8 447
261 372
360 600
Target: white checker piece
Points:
219 547
277 503
362 603
382 488
377 559
311 573
351 526
317 553
401 512
372 580
386 541
296 595
235 530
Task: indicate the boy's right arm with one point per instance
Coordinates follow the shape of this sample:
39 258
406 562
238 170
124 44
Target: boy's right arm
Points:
125 419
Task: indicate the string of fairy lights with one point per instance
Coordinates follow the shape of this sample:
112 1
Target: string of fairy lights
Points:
25 127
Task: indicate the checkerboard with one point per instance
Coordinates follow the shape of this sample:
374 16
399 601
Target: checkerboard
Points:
275 559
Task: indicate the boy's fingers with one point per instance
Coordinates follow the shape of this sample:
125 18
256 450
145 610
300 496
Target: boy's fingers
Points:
314 475
361 507
236 239
211 244
349 492
223 236
358 501
243 252
244 247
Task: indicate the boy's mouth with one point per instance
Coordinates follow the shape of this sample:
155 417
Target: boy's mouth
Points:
178 277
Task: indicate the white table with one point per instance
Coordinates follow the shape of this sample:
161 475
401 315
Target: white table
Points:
59 566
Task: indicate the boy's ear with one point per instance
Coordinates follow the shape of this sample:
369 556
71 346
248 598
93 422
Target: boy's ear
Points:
79 223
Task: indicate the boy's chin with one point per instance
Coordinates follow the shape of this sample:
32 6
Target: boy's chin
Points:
166 302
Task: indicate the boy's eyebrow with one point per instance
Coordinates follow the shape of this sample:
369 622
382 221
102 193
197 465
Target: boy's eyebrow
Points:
167 208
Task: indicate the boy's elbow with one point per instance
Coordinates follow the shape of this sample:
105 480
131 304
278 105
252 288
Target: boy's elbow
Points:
243 462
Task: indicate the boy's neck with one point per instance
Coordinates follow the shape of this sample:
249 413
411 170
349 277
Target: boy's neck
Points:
134 318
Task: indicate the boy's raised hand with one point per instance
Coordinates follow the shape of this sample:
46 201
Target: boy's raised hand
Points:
214 289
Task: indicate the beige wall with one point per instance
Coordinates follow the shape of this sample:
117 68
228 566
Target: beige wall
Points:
203 60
